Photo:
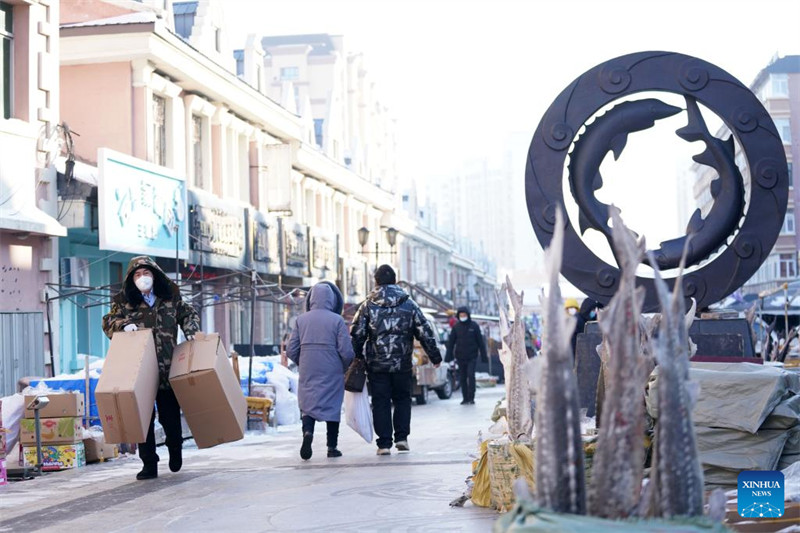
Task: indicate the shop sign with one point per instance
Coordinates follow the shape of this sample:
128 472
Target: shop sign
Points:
295 248
324 254
266 242
217 231
141 206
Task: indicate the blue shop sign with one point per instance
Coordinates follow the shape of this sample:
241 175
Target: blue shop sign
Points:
218 231
142 206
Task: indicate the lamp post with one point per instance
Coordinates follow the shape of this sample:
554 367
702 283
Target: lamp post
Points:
363 239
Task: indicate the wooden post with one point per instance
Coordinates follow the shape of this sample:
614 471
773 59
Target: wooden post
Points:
235 361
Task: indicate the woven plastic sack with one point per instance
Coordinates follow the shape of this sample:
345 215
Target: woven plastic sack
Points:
507 462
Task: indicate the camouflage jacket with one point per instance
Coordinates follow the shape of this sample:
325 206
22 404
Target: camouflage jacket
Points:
168 312
387 324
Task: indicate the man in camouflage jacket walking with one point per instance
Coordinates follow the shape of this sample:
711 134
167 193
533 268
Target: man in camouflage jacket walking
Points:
383 331
149 299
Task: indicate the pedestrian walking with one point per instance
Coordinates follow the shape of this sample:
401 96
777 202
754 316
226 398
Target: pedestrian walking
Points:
464 344
320 347
149 299
383 331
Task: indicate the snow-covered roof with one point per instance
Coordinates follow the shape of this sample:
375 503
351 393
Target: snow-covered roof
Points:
141 17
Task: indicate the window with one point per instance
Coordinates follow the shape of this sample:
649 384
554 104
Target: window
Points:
788 266
159 130
318 122
791 178
6 36
788 223
290 73
780 84
115 275
218 39
784 129
258 78
197 149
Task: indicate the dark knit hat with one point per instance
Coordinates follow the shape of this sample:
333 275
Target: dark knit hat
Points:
384 275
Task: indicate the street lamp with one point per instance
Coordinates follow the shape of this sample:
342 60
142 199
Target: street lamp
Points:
391 238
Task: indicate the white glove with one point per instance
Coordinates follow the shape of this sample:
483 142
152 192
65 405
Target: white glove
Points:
130 327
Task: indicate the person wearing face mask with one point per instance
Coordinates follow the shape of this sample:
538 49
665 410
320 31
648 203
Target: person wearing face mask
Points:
149 299
586 313
464 344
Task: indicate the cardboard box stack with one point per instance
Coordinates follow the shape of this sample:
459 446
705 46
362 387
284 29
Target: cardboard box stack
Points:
208 391
126 391
60 427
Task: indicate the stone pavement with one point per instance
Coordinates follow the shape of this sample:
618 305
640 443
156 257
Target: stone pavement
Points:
261 484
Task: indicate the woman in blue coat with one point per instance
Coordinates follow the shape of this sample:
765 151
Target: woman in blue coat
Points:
320 346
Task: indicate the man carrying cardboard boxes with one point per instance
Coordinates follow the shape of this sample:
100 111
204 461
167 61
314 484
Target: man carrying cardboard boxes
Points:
149 299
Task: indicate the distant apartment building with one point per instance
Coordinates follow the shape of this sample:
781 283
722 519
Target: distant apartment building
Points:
778 88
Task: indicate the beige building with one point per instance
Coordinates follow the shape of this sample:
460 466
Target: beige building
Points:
778 88
30 140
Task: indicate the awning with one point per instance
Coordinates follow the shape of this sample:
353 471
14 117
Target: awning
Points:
31 219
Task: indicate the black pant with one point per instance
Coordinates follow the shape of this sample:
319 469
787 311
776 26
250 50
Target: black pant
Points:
391 388
169 415
466 379
332 427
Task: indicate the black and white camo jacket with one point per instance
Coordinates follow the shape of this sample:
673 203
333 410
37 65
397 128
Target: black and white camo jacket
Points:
384 329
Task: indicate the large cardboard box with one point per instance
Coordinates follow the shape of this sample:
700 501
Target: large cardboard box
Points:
97 450
208 391
56 456
61 404
126 391
53 430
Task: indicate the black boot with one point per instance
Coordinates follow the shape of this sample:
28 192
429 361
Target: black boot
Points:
305 449
333 452
175 459
149 471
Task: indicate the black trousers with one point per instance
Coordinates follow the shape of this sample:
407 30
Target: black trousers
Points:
466 378
169 415
332 427
391 389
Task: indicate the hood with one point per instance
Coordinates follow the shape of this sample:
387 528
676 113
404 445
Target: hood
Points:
163 287
388 296
587 306
463 309
325 295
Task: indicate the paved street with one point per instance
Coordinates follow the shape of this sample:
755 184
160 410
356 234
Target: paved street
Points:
261 484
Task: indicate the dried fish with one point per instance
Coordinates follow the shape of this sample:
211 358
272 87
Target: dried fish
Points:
617 469
560 484
677 474
514 359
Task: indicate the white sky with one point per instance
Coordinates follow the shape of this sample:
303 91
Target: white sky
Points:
461 75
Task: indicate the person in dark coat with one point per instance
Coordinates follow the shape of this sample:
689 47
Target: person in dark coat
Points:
383 331
149 299
586 313
320 347
464 344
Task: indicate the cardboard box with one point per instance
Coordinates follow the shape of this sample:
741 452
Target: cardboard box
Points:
56 456
53 430
61 404
126 391
208 391
97 450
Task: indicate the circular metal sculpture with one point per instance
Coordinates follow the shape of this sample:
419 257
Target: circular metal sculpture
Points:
744 238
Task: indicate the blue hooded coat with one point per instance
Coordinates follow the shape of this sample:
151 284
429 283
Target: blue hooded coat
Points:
320 346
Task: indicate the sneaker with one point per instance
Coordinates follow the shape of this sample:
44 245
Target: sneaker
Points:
333 452
148 472
402 446
175 459
384 451
305 449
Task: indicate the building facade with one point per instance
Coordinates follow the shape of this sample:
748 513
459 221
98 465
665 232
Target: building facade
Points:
30 140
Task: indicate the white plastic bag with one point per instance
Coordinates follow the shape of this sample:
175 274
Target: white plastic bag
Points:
358 414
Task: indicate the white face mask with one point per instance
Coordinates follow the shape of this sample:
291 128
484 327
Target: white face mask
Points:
144 284
462 318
